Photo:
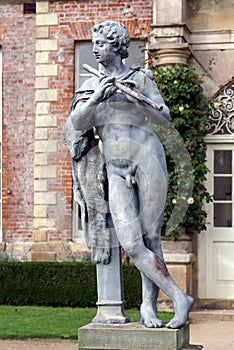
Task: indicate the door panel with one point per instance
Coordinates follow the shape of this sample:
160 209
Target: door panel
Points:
216 245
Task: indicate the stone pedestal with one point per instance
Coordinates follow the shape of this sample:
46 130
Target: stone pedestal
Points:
110 286
132 336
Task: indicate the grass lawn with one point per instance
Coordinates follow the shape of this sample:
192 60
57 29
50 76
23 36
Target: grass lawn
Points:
22 322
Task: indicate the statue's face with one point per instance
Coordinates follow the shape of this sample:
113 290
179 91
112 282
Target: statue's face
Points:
103 51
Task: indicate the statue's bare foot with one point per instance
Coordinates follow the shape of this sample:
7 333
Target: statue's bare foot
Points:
149 317
182 308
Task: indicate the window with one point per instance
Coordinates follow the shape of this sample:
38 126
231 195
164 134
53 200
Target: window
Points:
83 54
29 8
222 188
0 144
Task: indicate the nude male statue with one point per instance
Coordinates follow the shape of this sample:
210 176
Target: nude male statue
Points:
135 165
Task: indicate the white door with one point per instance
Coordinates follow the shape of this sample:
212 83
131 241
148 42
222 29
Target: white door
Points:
216 245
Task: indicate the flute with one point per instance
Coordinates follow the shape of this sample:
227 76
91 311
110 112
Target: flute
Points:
128 91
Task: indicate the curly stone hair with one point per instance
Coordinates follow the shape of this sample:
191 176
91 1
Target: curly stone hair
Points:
116 34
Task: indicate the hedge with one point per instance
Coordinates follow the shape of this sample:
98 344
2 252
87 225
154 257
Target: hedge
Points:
59 284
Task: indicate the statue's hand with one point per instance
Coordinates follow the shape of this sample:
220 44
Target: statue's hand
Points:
104 89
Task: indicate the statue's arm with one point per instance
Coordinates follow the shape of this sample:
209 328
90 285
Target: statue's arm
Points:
83 114
149 88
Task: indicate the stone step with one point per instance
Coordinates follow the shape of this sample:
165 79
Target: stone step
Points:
205 315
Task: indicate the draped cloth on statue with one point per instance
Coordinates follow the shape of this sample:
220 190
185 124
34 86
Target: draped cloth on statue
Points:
88 187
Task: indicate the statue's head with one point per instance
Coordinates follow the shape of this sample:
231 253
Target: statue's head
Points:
116 34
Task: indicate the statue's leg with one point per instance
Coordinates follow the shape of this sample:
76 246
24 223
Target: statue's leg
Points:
150 291
148 308
127 219
150 191
151 219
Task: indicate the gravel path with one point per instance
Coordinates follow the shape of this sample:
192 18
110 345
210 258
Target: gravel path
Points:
38 344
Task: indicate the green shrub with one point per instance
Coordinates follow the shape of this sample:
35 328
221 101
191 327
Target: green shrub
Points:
181 89
48 284
132 286
59 284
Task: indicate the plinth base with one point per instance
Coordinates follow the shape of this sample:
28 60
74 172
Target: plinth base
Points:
132 336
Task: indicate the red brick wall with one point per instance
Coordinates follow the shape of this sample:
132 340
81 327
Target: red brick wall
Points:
17 37
76 19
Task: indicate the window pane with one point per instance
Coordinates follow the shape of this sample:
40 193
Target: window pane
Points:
82 78
222 188
222 162
222 215
86 56
29 8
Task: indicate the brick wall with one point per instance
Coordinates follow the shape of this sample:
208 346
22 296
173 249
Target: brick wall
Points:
74 22
17 37
38 85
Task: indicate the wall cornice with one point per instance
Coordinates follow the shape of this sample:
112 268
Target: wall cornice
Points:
212 40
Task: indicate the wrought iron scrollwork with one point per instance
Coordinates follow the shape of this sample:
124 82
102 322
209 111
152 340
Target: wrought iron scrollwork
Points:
221 118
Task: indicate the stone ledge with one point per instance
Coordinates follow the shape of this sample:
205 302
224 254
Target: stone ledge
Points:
179 258
131 336
201 316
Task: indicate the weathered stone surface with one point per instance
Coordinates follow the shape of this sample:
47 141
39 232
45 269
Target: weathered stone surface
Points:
40 211
49 146
42 32
46 95
40 185
131 336
43 256
44 70
46 45
45 172
47 19
45 198
42 7
46 121
42 57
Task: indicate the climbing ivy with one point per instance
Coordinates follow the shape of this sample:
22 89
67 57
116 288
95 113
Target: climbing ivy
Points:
181 88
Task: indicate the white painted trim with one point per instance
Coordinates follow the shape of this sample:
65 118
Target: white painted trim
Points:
228 138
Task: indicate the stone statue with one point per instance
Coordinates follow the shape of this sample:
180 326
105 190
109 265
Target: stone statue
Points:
134 163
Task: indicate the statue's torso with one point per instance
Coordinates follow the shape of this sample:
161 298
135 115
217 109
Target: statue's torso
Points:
123 130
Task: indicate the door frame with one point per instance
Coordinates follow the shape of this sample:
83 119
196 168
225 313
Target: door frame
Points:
202 237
